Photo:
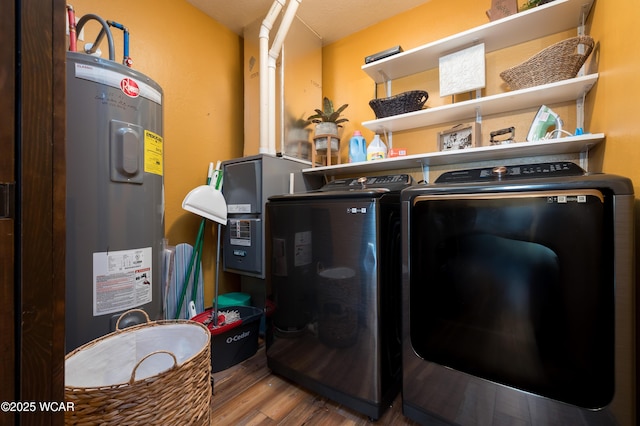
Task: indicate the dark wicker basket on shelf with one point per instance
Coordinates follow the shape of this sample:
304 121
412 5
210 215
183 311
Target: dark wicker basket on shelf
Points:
399 104
560 61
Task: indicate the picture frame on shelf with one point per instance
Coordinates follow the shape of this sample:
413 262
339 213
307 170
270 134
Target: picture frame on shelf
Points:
462 71
460 136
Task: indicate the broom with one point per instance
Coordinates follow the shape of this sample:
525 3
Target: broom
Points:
195 254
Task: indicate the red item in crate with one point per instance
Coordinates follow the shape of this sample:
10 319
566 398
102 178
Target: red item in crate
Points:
206 318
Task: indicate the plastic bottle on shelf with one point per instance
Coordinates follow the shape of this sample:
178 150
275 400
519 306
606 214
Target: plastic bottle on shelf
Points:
357 147
377 150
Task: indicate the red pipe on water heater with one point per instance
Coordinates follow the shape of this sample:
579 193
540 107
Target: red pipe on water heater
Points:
71 16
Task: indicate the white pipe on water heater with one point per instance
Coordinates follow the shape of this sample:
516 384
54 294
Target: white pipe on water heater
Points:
274 52
268 59
265 29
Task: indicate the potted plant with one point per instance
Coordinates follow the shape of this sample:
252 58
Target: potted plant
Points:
327 121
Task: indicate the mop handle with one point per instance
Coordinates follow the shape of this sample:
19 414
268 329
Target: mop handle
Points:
196 274
199 240
215 299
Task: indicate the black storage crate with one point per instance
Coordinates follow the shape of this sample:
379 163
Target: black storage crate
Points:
236 342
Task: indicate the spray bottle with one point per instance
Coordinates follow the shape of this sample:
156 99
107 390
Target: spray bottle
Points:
377 150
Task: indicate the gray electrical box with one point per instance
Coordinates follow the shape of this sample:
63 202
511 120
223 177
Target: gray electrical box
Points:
248 184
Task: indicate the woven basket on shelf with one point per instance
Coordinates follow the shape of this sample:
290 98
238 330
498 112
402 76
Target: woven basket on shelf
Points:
158 373
559 61
399 104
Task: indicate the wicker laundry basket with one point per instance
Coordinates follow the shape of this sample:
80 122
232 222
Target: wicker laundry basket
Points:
399 104
158 373
559 61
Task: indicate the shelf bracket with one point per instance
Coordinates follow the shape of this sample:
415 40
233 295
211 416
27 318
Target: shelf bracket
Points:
387 86
389 135
580 101
584 158
384 76
580 112
425 172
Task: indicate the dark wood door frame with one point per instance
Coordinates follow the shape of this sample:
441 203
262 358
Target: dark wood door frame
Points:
32 241
7 216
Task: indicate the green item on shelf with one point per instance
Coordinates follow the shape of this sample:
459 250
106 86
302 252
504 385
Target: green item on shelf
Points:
233 299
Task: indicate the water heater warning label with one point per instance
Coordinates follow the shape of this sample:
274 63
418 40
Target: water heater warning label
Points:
121 280
152 153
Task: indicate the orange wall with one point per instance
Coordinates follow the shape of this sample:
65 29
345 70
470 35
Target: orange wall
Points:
610 104
615 109
198 63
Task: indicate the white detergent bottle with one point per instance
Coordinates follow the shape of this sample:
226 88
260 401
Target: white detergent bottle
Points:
377 150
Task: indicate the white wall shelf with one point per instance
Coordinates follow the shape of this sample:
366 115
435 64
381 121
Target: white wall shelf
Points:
550 18
566 145
560 91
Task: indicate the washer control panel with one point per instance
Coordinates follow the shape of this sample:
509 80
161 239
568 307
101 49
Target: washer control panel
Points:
390 182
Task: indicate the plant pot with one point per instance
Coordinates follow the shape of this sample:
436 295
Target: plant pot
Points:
321 143
323 132
327 128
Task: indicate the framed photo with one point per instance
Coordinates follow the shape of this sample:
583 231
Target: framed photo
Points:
462 71
461 136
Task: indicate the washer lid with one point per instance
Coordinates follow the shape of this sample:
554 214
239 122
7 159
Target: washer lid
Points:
360 187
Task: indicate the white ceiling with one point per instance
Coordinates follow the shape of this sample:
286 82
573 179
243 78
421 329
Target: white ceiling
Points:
331 19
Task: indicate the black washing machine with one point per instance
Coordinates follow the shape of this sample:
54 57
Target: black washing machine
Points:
333 267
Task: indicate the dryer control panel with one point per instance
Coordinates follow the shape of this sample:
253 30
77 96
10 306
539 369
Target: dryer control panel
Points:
521 171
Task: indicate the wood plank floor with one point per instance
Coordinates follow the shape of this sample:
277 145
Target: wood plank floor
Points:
249 394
